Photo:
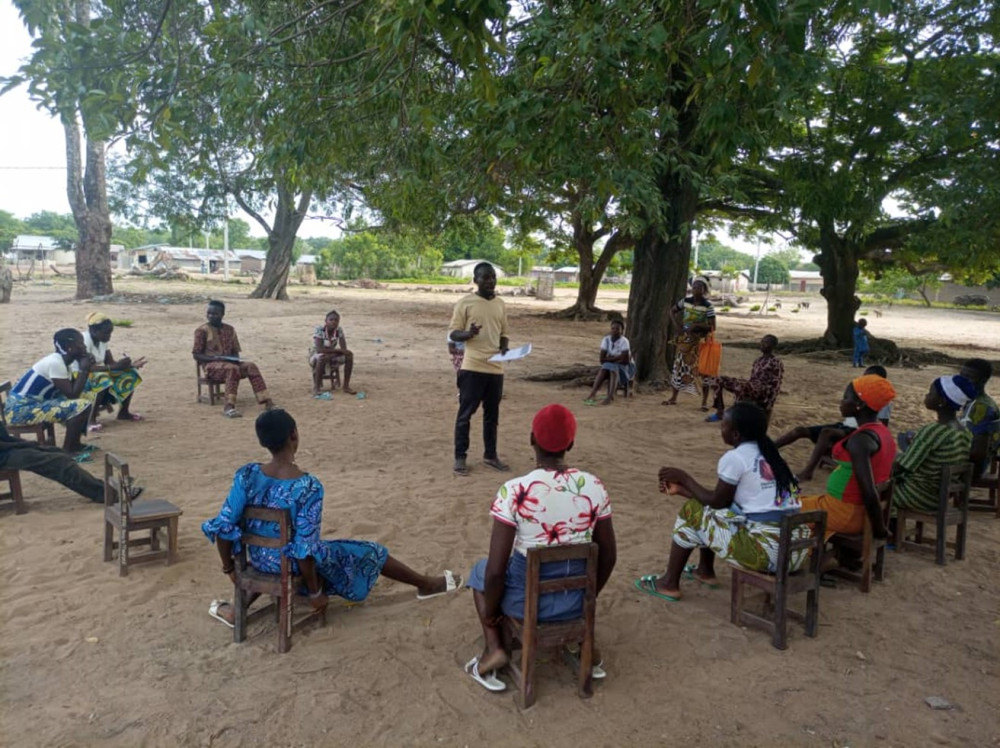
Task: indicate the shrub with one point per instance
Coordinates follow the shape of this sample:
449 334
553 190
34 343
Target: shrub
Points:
863 313
724 309
772 309
122 322
755 308
795 310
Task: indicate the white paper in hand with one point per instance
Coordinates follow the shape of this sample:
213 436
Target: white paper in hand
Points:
513 354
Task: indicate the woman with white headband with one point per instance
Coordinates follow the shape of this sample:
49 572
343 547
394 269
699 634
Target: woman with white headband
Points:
944 442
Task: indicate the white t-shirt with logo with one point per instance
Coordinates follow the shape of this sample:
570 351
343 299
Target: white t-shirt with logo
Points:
756 488
550 507
98 350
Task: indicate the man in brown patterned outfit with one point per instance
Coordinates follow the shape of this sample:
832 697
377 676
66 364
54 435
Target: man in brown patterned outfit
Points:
217 349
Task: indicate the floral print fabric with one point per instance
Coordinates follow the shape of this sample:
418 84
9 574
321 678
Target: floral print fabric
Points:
551 507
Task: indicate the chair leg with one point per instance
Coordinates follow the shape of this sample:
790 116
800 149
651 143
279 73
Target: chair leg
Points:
736 598
880 564
920 532
899 539
172 541
154 538
961 530
109 540
526 693
812 610
123 550
941 544
240 622
780 638
16 494
285 622
866 572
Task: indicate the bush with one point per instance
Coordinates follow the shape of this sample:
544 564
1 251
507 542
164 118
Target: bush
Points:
724 309
122 322
972 300
795 310
863 313
772 309
755 308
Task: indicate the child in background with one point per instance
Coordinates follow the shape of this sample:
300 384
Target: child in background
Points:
861 345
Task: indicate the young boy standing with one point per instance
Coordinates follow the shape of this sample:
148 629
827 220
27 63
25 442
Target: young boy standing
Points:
861 345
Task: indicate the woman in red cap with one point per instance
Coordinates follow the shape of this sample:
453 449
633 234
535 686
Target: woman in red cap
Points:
552 505
864 459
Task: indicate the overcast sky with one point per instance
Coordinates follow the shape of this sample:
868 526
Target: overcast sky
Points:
32 148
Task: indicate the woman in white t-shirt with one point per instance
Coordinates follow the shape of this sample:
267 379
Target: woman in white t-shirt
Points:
739 520
117 379
49 393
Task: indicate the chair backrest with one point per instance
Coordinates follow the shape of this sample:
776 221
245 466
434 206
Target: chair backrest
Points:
534 586
282 518
116 472
885 499
814 541
4 391
956 481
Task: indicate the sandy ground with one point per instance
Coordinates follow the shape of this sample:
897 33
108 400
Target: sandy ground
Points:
89 657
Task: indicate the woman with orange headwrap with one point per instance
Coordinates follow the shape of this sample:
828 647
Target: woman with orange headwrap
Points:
864 459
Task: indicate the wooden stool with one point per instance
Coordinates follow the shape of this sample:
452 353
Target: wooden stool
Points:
213 387
43 433
282 587
871 549
331 374
991 482
130 516
529 634
778 586
952 509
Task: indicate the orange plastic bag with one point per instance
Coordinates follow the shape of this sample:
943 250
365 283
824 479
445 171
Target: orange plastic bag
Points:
709 357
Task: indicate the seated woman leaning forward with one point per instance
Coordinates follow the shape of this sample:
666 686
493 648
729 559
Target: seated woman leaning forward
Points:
739 520
346 568
113 379
864 459
552 505
49 393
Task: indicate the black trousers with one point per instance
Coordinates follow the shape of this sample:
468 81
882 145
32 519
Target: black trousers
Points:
54 464
474 388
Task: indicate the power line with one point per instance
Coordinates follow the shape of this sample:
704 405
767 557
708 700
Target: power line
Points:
32 168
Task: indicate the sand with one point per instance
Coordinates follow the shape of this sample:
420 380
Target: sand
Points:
89 657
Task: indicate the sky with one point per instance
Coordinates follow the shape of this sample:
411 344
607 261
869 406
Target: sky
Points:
33 158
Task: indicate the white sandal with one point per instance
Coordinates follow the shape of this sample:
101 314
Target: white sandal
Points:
451 583
489 681
213 610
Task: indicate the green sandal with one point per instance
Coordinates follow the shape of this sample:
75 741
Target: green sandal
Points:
689 574
647 585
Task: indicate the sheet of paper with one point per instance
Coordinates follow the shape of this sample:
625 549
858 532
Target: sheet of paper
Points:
513 354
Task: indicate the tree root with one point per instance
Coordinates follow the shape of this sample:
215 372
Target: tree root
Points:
883 351
584 314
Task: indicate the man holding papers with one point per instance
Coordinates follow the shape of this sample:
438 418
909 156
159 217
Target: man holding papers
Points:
480 321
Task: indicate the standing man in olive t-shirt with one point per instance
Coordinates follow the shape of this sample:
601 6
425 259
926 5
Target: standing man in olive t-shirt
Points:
480 321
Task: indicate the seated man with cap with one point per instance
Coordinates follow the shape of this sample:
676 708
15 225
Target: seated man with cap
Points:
554 504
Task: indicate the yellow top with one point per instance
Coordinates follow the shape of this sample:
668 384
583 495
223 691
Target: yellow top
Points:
491 316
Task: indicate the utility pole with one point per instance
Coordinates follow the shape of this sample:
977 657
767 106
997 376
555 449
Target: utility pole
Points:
756 266
225 250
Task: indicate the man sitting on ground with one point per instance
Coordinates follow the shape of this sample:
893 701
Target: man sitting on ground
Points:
616 364
217 349
762 387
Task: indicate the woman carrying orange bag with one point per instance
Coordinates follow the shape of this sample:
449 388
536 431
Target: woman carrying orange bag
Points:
694 316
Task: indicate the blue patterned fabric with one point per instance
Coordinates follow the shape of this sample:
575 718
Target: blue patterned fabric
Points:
349 568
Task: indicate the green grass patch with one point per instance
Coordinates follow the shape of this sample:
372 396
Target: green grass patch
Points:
122 322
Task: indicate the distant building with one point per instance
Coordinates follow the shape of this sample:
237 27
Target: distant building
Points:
464 268
805 281
251 260
42 249
566 274
185 258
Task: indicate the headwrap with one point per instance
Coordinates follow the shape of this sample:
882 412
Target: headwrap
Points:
96 318
701 279
956 390
554 428
874 391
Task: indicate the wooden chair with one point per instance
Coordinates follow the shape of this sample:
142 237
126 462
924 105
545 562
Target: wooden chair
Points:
128 516
13 479
991 482
43 433
779 586
213 387
952 509
331 374
870 548
530 635
282 587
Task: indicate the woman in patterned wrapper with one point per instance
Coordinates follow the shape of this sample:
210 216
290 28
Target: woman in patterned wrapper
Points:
738 520
346 568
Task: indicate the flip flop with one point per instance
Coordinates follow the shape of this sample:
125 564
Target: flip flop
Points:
323 396
83 457
497 464
597 671
647 585
133 417
462 470
689 574
95 428
590 401
667 402
231 413
714 418
705 409
213 610
451 583
87 448
489 681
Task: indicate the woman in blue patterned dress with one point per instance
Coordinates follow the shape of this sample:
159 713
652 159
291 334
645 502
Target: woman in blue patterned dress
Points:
49 392
346 568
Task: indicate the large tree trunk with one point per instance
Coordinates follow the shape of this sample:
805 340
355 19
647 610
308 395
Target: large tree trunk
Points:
592 273
86 188
838 264
288 217
659 279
